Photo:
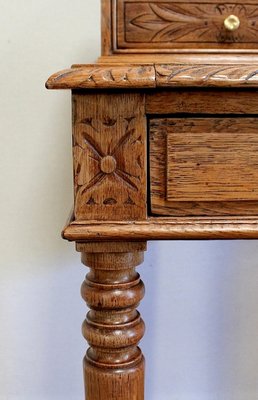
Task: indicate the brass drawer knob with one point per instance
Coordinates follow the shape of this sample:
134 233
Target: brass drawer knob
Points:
232 23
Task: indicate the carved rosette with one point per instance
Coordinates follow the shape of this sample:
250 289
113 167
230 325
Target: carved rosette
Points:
109 157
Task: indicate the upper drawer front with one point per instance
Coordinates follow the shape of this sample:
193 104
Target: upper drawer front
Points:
160 25
204 166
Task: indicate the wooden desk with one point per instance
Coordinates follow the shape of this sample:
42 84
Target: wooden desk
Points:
165 146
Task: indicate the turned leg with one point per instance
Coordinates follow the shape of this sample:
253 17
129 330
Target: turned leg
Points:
114 364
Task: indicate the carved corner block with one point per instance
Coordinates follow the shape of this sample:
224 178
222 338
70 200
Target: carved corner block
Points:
109 151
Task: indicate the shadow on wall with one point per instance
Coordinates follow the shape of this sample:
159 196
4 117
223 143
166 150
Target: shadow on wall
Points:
241 322
63 378
201 314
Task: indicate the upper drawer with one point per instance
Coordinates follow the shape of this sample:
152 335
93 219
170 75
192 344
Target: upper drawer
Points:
165 26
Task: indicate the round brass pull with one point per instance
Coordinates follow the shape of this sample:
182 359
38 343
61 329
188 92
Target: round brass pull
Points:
232 23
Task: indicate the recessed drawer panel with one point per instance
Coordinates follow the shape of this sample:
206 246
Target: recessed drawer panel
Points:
204 166
180 24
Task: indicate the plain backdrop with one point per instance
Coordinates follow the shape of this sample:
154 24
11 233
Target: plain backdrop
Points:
201 298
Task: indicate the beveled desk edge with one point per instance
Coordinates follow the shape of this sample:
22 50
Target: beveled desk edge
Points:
156 228
158 75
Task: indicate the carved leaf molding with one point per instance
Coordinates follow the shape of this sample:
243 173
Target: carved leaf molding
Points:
180 21
205 74
103 76
177 74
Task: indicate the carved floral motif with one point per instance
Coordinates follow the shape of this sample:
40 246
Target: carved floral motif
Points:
191 22
108 162
109 155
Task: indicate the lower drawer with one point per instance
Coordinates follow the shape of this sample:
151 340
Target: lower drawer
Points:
204 166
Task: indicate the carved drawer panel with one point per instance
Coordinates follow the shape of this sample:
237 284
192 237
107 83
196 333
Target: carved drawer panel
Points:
204 166
159 25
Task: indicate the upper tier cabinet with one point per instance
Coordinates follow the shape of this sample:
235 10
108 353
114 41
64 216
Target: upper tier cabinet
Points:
140 26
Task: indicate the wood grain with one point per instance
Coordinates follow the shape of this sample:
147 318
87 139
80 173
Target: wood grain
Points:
168 25
157 228
212 159
140 76
114 364
205 101
104 76
242 158
113 247
109 149
205 75
106 27
217 57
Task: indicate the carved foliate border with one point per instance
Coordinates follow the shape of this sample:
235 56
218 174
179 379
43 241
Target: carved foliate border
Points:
157 75
206 75
103 76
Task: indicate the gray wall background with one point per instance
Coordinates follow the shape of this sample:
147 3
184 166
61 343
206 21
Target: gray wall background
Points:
201 302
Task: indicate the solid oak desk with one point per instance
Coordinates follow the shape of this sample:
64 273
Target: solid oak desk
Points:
165 146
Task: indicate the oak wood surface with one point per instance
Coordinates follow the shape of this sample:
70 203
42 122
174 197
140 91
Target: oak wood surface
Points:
198 24
205 75
113 247
206 101
103 76
218 57
211 159
109 151
199 166
114 364
157 228
106 28
143 76
158 26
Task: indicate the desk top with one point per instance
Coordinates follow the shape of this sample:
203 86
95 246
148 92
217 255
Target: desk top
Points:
164 75
174 59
